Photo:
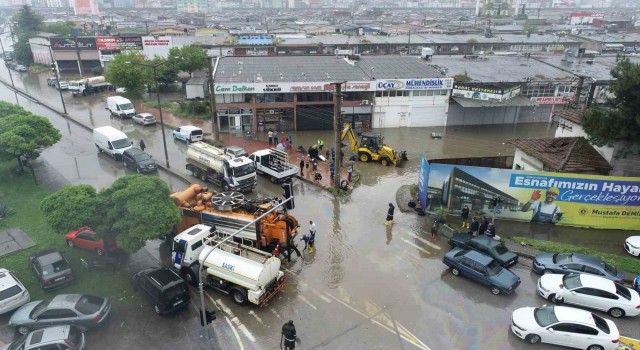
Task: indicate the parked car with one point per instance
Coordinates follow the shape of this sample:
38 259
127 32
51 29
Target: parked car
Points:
52 269
482 269
236 151
21 68
144 119
141 161
485 245
51 338
62 85
166 290
86 238
592 292
13 294
561 325
565 263
632 245
188 133
84 311
52 81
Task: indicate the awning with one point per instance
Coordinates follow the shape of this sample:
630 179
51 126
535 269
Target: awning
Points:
512 102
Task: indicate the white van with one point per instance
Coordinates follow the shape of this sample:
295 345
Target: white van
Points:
111 141
120 107
188 133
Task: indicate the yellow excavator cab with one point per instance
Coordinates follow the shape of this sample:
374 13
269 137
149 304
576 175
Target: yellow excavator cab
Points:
371 147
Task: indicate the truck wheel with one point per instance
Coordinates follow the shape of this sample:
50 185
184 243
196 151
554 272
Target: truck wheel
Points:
364 157
384 161
226 187
273 180
194 172
99 149
239 295
203 176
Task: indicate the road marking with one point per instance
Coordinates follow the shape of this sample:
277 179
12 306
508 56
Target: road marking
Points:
252 313
236 320
325 299
400 329
273 311
301 297
416 246
220 307
235 332
425 241
404 336
223 307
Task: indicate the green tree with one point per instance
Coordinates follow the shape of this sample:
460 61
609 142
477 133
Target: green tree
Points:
25 136
7 108
22 50
71 207
621 120
188 58
122 73
27 21
60 28
167 72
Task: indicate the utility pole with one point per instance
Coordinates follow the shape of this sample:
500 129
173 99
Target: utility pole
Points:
78 55
337 113
146 25
579 89
212 101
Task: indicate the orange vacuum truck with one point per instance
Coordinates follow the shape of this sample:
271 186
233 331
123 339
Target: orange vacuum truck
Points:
229 212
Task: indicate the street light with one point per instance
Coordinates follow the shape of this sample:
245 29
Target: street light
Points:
4 58
54 68
155 77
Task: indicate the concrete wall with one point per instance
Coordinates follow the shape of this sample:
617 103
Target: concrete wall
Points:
497 115
523 161
410 111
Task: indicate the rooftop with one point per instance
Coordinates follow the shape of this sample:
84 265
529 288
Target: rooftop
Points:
321 68
599 70
611 37
565 154
572 115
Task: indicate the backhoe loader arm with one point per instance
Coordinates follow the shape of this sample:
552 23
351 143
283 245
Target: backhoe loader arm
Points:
348 133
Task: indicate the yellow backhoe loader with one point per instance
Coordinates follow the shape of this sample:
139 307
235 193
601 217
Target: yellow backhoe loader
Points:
370 147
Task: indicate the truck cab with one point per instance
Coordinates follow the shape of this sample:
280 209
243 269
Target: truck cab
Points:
212 164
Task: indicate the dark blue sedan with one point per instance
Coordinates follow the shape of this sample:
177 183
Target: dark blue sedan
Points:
483 269
566 263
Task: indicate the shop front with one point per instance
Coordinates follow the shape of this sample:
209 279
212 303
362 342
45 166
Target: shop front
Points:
235 120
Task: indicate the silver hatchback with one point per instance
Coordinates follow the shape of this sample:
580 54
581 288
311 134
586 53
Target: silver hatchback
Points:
59 337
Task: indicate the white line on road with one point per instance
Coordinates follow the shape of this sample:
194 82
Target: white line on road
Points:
425 241
325 299
416 246
234 319
252 313
276 313
235 332
307 302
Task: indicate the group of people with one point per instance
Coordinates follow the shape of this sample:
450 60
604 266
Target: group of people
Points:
483 227
283 143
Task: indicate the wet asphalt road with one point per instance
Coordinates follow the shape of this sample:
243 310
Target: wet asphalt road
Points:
368 286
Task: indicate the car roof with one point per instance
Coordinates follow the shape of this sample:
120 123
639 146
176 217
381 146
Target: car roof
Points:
570 314
6 279
118 99
145 114
597 282
163 276
489 241
134 151
66 301
586 259
189 127
48 256
478 257
48 334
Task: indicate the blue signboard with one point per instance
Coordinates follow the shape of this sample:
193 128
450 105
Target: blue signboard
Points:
423 182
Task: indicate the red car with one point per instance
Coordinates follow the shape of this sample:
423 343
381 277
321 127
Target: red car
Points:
86 238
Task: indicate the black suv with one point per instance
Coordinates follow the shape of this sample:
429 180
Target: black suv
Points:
167 291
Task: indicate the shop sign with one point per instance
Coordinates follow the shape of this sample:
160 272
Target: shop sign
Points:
288 87
69 44
483 89
415 84
160 41
107 42
234 89
556 100
130 43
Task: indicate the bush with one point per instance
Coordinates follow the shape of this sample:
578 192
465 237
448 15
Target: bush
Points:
624 263
96 71
5 210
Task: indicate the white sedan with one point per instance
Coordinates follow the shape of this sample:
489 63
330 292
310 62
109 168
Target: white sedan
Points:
591 291
144 119
632 245
567 326
12 293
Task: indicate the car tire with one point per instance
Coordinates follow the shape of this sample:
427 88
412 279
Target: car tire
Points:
124 164
239 296
70 243
189 276
455 271
157 309
99 252
273 179
226 187
494 290
533 339
616 312
99 149
23 330
552 297
203 176
546 272
194 172
595 347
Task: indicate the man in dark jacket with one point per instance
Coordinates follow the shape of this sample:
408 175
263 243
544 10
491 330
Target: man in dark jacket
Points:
491 230
484 224
465 216
289 335
389 220
475 226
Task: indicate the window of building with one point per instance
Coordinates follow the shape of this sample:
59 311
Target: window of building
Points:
378 93
420 93
429 92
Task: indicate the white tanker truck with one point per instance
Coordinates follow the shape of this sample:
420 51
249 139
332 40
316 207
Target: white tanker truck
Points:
211 164
245 273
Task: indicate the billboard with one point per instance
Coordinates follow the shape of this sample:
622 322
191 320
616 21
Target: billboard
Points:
285 87
69 44
423 182
122 43
414 84
549 198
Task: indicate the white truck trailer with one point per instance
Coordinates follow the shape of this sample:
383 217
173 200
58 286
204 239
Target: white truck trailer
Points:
89 85
274 163
245 273
211 164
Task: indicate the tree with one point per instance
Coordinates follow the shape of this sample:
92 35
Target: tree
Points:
22 50
25 135
188 58
7 108
167 72
71 207
27 22
63 29
130 76
621 121
462 77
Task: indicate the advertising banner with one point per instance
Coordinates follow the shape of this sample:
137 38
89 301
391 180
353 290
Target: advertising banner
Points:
277 87
414 84
553 198
423 182
69 44
107 42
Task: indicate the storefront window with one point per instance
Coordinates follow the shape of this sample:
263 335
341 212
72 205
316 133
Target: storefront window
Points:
315 96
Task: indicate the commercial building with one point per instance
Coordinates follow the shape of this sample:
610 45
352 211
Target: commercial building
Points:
296 93
461 188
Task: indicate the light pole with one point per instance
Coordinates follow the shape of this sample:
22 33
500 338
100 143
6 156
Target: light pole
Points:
4 58
54 68
155 78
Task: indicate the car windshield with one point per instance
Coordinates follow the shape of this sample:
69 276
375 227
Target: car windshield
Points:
39 309
88 304
601 323
623 291
501 249
493 268
140 157
571 281
9 292
55 267
126 106
175 291
545 316
18 344
244 170
610 269
179 247
148 117
122 143
563 257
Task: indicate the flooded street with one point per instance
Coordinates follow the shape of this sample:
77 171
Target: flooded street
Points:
368 286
